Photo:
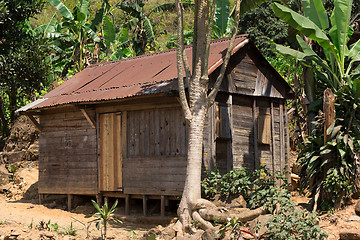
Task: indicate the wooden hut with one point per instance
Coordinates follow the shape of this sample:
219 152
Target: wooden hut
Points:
116 129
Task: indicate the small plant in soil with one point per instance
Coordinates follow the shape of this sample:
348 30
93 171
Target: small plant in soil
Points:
3 222
103 216
42 225
12 169
70 230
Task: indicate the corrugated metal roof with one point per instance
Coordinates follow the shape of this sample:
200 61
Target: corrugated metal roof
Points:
146 74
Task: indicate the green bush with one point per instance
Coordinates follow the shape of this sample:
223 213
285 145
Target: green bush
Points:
235 182
287 222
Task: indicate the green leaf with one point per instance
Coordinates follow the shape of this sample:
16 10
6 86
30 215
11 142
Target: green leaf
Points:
326 151
84 7
289 52
313 158
80 16
305 47
342 153
222 15
113 206
304 25
330 128
148 28
109 31
63 10
96 206
354 52
341 31
247 5
97 19
92 34
315 11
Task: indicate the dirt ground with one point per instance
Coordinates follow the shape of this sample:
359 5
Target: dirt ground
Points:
21 215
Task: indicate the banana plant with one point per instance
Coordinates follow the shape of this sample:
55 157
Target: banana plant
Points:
334 68
140 24
314 24
73 34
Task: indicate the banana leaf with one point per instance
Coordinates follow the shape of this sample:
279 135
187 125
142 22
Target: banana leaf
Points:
305 26
315 11
341 32
222 15
62 9
109 31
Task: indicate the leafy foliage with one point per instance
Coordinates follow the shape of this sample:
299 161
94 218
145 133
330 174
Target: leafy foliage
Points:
103 216
287 221
264 27
294 224
234 182
329 168
24 66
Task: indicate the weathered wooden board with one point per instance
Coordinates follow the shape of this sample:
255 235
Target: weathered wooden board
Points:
156 132
162 174
242 133
67 158
110 165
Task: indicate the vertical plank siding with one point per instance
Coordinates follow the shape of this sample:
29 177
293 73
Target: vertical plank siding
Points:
245 126
67 159
110 149
243 133
156 160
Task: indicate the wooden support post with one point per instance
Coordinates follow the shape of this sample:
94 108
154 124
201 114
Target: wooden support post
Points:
99 199
127 204
69 201
41 198
273 148
282 141
145 198
287 150
255 120
162 210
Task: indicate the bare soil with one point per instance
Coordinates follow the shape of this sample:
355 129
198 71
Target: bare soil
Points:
21 214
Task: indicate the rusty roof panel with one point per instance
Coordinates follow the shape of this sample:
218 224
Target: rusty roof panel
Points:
147 74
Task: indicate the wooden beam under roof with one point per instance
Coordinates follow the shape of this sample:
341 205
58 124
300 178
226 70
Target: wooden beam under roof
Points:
34 121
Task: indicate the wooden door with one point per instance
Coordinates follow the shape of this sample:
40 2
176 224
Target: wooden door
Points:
110 169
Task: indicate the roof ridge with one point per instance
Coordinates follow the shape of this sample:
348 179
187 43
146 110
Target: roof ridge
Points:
162 52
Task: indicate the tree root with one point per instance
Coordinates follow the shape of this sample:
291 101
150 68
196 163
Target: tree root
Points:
202 203
222 215
251 214
218 214
203 224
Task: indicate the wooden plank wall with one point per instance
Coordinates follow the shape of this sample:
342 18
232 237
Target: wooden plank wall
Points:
209 159
156 152
243 76
243 133
67 159
273 155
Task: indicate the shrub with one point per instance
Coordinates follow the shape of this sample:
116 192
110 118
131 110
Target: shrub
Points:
287 222
235 182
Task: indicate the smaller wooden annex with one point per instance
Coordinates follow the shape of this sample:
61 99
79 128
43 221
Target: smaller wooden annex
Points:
116 129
